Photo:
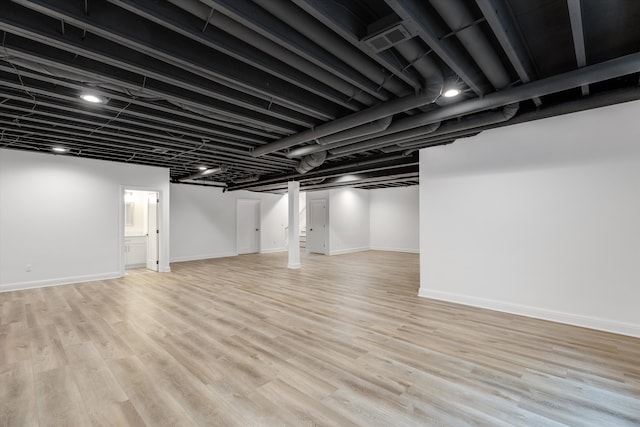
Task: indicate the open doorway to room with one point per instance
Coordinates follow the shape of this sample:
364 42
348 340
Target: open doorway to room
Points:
141 230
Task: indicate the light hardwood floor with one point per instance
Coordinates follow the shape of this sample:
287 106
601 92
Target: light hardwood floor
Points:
344 341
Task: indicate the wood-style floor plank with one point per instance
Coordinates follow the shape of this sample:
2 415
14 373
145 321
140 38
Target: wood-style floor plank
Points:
345 340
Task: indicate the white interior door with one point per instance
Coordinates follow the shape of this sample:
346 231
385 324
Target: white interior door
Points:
153 233
248 226
316 227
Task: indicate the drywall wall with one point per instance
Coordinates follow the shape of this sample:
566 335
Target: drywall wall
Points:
62 217
395 219
348 220
539 219
204 222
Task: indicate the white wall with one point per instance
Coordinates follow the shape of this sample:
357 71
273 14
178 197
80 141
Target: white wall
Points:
395 219
204 222
348 220
64 217
540 219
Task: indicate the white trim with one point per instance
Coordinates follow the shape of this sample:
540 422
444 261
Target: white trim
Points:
59 281
203 256
272 250
607 325
347 251
383 248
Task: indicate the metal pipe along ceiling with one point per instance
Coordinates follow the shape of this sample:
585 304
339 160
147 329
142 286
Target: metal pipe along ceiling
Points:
228 25
459 19
321 35
356 119
466 123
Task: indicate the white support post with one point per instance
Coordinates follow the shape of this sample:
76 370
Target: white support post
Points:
294 224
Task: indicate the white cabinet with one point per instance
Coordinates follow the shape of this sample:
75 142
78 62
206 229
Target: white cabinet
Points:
135 251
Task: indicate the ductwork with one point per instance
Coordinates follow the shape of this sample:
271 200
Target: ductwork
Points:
368 129
322 36
384 140
408 136
587 75
413 52
241 32
311 161
370 114
460 20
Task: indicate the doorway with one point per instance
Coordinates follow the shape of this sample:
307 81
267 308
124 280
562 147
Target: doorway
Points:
141 230
248 226
317 227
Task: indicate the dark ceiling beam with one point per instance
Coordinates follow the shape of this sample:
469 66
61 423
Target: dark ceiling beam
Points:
334 16
577 31
104 61
87 116
379 163
59 89
88 134
420 21
408 173
325 32
504 27
186 24
153 89
265 24
175 157
143 36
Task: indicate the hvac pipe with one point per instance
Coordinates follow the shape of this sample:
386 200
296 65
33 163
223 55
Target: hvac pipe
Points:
321 173
336 138
459 19
613 68
303 23
368 129
465 123
219 21
418 57
356 119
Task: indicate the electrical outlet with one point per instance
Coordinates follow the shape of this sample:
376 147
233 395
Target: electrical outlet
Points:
28 268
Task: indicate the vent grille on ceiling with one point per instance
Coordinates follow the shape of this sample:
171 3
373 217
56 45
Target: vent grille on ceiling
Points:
387 38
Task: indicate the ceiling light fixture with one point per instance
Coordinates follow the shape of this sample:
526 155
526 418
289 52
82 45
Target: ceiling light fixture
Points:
59 149
94 99
450 93
202 168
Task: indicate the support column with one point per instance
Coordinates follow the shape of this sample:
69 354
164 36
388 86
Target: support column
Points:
294 224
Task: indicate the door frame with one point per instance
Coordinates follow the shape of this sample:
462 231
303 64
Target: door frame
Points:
258 202
161 234
326 224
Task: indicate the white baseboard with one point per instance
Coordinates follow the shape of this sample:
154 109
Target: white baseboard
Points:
203 256
388 249
607 325
58 281
347 251
272 250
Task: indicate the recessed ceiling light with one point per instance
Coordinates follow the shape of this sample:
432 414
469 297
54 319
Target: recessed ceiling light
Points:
91 98
59 149
450 93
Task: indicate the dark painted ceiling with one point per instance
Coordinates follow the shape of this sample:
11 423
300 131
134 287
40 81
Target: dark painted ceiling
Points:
326 92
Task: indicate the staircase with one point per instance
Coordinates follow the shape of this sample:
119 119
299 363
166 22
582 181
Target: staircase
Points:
303 239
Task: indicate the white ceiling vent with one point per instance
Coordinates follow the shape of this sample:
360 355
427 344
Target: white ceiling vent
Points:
387 38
